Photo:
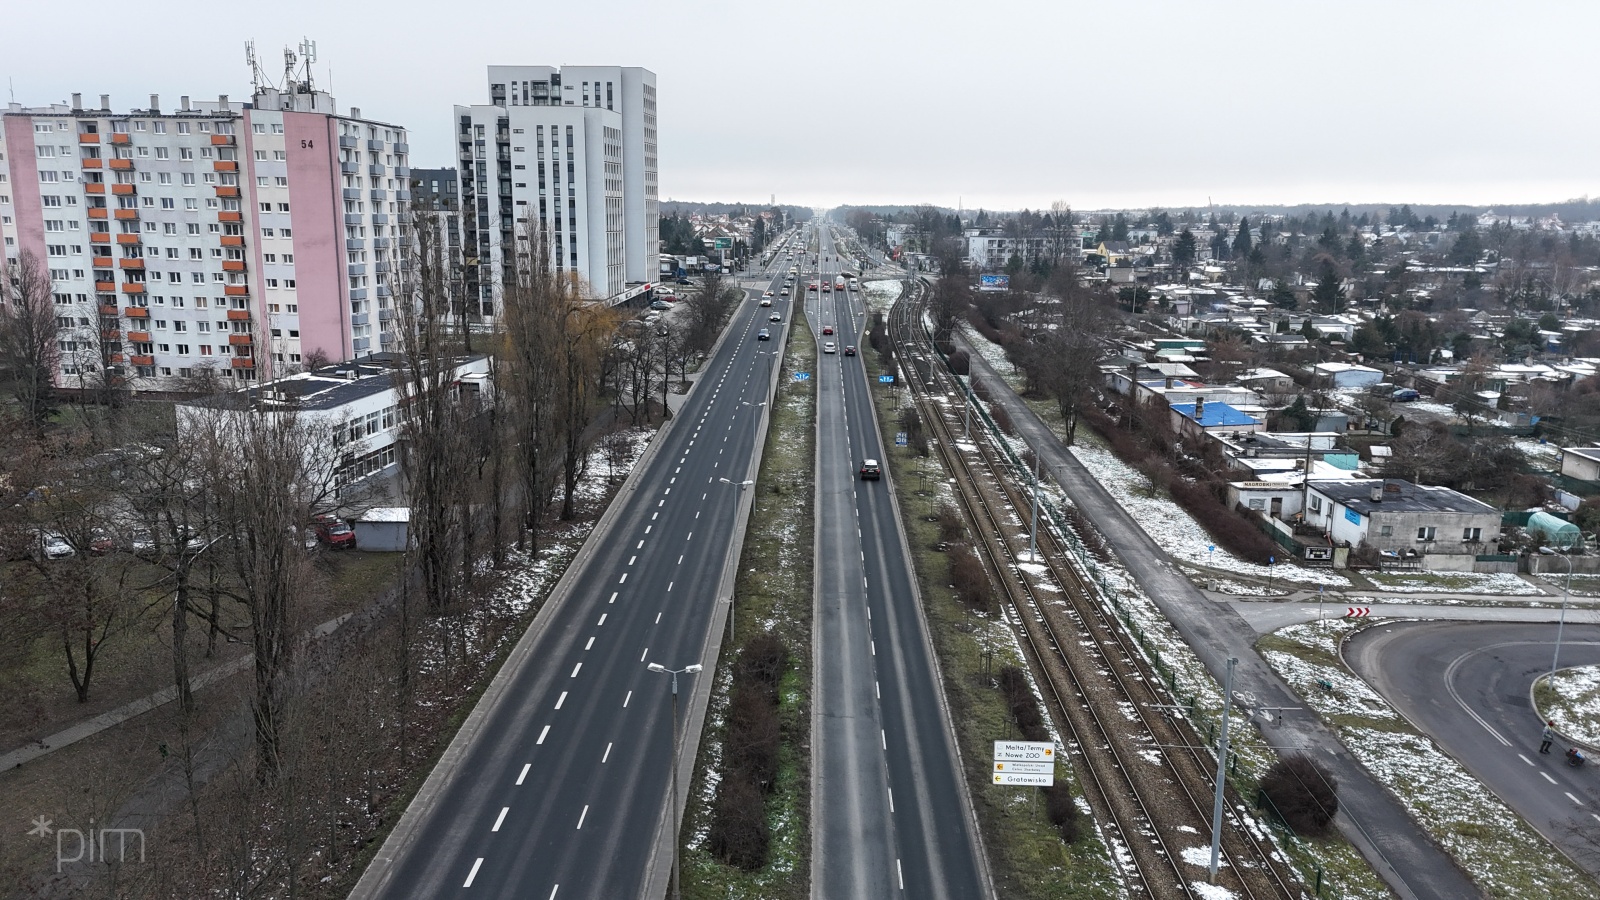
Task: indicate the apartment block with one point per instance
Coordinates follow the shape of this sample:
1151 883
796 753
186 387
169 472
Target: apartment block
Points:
245 237
569 155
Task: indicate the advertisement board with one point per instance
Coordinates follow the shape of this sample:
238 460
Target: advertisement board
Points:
994 282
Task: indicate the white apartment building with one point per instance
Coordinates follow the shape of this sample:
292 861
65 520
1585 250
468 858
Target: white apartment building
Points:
568 154
245 237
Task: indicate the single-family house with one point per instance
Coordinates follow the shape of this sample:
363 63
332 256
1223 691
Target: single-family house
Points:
1347 375
1195 420
1444 527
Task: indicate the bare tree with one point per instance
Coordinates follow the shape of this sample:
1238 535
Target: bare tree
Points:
29 347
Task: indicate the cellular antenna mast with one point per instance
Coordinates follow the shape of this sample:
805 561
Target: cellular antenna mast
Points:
257 76
308 55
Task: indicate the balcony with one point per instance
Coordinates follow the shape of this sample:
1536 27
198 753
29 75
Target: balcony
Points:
349 168
94 188
352 193
380 243
102 262
354 244
374 145
127 214
142 360
225 165
221 140
402 147
233 265
233 240
121 163
237 290
243 362
375 170
109 309
99 237
358 269
230 216
105 286
402 172
227 190
358 294
379 194
348 142
238 315
358 319
239 340
133 288
130 263
380 218
135 312
139 337
127 239
403 196
90 138
352 218
121 138
125 190
89 163
98 212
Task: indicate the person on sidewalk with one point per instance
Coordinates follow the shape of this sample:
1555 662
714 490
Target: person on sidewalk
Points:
1547 735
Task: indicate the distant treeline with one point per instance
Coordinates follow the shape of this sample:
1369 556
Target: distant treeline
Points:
689 208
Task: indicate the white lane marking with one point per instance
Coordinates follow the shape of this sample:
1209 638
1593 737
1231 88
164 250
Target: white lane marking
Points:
665 492
589 645
602 620
613 597
632 558
561 699
575 670
653 515
640 547
647 530
658 618
607 755
690 537
626 699
1547 777
500 818
1572 798
558 887
883 738
673 480
677 470
891 799
525 768
542 734
661 504
474 873
670 584
875 692
1525 759
581 816
697 514
623 579
869 614
680 560
703 496
646 653
897 871
874 646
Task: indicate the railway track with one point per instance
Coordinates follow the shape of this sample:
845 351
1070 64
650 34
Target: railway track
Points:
1146 772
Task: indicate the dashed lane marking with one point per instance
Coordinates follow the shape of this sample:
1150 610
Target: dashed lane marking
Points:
525 768
561 699
542 734
500 818
474 873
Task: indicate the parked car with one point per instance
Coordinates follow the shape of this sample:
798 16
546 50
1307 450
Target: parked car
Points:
1405 395
870 470
850 350
334 533
660 304
49 545
684 281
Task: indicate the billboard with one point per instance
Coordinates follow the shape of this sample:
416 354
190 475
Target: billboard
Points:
994 282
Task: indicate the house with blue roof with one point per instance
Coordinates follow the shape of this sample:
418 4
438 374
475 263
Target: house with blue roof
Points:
1195 420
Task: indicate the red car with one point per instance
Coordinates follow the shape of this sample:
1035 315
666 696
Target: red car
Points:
827 329
335 533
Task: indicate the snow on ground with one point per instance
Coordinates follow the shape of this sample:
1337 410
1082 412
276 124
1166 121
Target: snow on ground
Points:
1173 529
1207 891
1507 858
1499 583
881 295
1576 710
1200 856
1539 453
990 351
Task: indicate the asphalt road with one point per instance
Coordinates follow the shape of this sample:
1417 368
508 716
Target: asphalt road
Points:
890 810
563 786
1467 686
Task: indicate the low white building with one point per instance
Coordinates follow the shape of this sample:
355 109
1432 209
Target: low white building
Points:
1444 527
1347 375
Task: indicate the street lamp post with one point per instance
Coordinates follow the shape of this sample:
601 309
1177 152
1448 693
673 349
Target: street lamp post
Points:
741 485
1561 623
672 813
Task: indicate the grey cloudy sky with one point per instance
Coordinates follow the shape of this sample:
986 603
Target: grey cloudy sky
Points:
994 103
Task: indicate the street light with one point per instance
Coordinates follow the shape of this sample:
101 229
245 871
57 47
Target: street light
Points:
1561 623
672 813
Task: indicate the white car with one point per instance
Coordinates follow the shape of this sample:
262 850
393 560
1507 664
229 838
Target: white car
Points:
767 300
53 546
828 347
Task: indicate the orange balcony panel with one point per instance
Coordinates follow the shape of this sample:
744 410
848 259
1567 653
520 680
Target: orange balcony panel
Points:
135 312
98 212
116 357
89 163
227 190
219 140
127 214
233 265
126 239
93 188
237 290
130 263
133 288
233 240
239 340
142 337
225 165
238 315
102 262
121 163
142 360
243 362
106 286
99 237
88 138
226 216
123 189
108 309
120 138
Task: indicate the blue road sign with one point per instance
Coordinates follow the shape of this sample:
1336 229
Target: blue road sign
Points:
886 379
802 376
900 438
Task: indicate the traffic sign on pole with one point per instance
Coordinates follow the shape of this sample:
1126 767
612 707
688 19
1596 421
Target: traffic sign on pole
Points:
802 376
1358 612
1024 751
899 438
886 379
1024 780
1026 768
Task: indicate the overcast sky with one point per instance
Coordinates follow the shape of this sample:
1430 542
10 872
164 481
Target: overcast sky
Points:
993 103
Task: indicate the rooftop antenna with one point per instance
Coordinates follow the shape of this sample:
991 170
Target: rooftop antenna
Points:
308 53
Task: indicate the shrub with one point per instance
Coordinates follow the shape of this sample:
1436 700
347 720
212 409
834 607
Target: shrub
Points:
754 738
1062 809
739 835
762 663
952 527
959 363
971 582
1303 793
1002 419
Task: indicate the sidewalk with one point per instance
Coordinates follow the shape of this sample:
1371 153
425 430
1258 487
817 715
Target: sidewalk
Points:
92 726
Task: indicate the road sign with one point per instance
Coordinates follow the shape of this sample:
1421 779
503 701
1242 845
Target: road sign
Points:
886 379
1026 768
722 243
1024 751
899 438
1358 612
1024 780
802 376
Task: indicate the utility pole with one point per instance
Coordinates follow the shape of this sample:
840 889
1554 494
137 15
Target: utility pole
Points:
1033 528
1222 770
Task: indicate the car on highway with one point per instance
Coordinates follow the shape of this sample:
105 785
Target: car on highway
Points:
775 317
870 470
785 292
828 347
767 294
763 335
827 329
767 301
850 350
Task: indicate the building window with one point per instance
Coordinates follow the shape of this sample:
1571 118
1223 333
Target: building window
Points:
1472 535
1258 504
1386 531
1425 533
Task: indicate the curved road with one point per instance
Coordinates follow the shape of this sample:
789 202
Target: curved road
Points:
1467 686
